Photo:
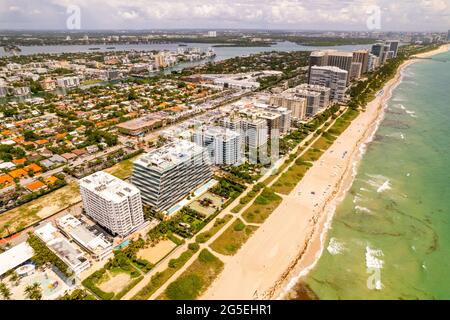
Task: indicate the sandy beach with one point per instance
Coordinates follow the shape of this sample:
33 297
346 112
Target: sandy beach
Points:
291 240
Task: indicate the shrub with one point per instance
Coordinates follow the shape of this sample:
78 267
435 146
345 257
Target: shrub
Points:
239 227
194 247
185 288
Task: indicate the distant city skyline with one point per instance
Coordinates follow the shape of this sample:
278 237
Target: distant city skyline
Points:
346 15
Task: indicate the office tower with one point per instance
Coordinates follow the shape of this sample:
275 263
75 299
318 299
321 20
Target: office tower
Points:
362 56
114 204
330 77
297 105
223 145
168 174
324 101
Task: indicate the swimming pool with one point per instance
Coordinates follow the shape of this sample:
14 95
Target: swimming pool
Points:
50 285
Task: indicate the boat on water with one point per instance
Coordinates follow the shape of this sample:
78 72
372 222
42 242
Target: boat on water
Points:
182 45
94 48
110 48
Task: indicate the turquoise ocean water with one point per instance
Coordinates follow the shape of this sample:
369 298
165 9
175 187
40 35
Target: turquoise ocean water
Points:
390 237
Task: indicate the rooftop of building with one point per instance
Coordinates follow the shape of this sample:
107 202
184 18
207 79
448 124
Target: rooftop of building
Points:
169 155
322 53
330 68
307 93
313 87
142 122
94 241
108 187
49 234
218 132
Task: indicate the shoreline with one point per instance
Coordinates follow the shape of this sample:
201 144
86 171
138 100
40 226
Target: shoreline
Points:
329 209
289 244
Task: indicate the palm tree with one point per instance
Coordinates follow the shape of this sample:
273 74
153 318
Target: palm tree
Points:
4 291
15 278
34 291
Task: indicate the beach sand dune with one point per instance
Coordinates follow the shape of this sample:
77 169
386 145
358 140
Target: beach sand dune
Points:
291 240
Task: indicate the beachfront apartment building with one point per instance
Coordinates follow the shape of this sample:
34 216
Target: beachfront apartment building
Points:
89 238
296 104
325 92
71 255
374 62
168 174
331 58
330 77
361 56
224 145
312 100
113 203
355 71
254 132
393 47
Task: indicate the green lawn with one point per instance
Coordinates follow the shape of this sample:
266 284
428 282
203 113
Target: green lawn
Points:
196 279
158 279
232 239
288 180
262 207
218 224
123 169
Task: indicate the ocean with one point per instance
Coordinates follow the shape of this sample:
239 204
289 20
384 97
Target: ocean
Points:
390 236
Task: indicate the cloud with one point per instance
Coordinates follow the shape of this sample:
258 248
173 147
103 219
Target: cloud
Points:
287 14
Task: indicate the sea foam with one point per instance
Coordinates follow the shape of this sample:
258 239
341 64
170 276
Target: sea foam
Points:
335 247
363 209
385 186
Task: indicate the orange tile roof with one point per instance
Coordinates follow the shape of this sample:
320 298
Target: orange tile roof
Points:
18 139
22 122
33 167
50 180
18 173
41 142
5 181
19 161
36 185
6 132
61 135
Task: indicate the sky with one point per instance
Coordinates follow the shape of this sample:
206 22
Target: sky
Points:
360 15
